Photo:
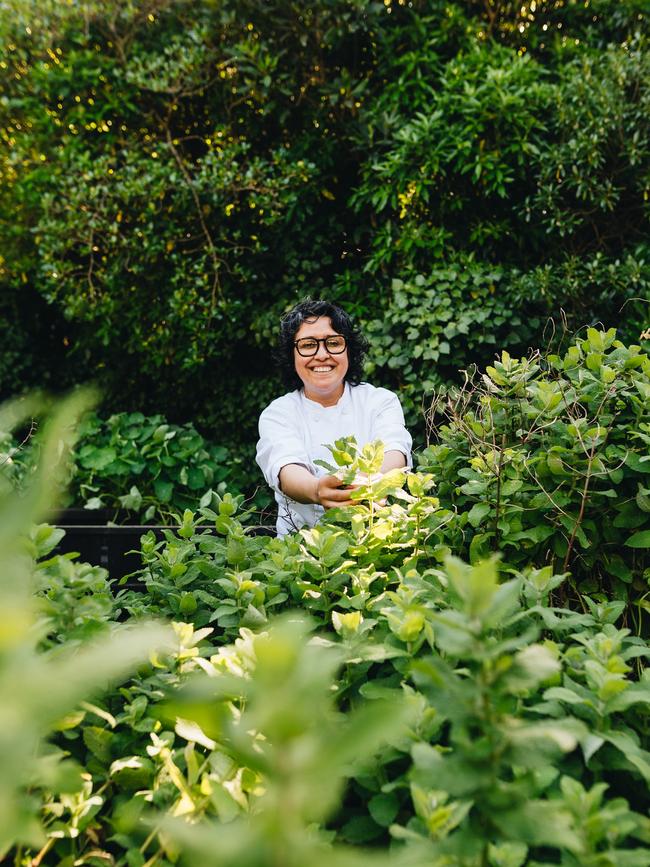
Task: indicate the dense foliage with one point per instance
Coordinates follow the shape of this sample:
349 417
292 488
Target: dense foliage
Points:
37 688
132 467
447 714
144 465
546 459
174 173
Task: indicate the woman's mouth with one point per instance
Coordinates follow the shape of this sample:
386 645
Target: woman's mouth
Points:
324 368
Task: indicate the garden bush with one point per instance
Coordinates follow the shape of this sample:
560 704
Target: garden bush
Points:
442 712
456 651
546 459
146 466
458 314
47 670
171 181
134 467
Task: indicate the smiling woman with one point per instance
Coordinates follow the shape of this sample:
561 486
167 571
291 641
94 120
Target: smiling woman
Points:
321 355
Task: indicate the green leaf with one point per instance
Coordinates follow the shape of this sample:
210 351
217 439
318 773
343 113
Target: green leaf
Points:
615 565
195 478
477 513
132 773
507 854
630 748
479 547
192 731
163 490
556 465
384 808
360 829
637 462
476 585
562 693
98 741
629 517
135 858
637 693
541 823
533 664
98 459
132 500
639 540
45 539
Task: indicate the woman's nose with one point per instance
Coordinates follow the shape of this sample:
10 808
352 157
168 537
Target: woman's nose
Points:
322 352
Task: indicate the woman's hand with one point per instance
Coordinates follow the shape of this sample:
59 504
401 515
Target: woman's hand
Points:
302 486
331 492
328 491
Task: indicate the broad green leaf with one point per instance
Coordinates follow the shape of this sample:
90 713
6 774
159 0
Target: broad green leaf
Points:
475 584
192 731
534 664
384 808
477 513
132 500
99 458
98 740
561 693
163 490
630 748
540 823
507 854
639 540
360 829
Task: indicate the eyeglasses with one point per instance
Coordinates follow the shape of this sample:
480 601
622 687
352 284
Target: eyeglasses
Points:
308 346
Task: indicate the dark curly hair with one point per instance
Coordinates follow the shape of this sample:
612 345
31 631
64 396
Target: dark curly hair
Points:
341 323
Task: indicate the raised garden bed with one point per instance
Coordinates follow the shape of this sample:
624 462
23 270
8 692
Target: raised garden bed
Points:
99 540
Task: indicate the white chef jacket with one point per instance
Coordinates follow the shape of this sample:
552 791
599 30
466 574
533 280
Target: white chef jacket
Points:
296 430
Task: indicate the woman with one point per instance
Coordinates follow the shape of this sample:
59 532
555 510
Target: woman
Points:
321 354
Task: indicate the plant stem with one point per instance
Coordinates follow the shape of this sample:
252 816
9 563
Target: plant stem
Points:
46 848
153 858
581 512
497 507
146 843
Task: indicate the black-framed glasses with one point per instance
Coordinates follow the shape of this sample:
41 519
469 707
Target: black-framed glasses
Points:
335 344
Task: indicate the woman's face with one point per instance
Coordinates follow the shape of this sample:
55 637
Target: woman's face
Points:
322 374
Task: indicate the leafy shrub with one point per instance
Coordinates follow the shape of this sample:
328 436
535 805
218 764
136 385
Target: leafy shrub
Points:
167 186
230 199
75 598
168 467
171 181
442 170
599 124
13 463
514 706
432 324
40 684
454 709
491 159
546 460
135 466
